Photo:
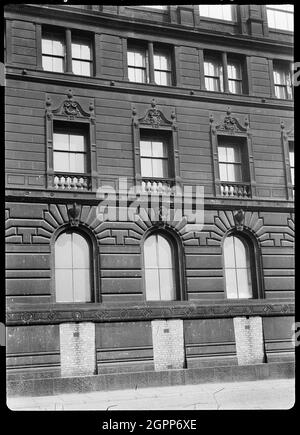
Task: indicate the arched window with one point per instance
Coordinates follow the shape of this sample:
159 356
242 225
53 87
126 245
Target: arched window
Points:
238 272
72 268
159 262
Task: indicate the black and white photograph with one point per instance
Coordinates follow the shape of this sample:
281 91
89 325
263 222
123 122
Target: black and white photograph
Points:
149 209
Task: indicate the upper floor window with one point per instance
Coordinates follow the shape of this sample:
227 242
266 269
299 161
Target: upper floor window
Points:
213 71
220 12
154 158
67 52
215 64
235 83
81 57
72 268
281 17
155 7
162 67
282 80
53 53
149 64
230 162
292 161
137 60
159 264
69 150
237 264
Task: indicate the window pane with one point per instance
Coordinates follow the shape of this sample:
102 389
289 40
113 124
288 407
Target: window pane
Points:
231 173
47 46
237 268
63 251
86 69
60 141
64 285
47 63
58 48
244 284
152 285
150 252
222 154
76 142
80 252
281 17
293 176
145 148
136 57
76 67
159 168
291 155
130 58
77 163
230 155
82 286
76 50
146 167
158 149
161 61
86 52
223 172
229 258
282 7
81 68
58 64
221 12
81 51
61 162
280 92
165 254
234 87
161 78
136 75
231 284
167 288
240 253
160 283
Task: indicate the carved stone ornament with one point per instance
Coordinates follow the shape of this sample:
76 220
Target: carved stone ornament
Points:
239 219
74 214
154 117
287 134
229 125
69 108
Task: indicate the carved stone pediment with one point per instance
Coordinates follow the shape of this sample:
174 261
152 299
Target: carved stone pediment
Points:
153 117
69 108
229 125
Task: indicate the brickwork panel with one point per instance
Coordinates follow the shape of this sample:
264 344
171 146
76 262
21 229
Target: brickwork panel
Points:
77 349
249 340
168 344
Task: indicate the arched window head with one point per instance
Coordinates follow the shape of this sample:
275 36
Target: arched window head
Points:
238 273
72 268
159 262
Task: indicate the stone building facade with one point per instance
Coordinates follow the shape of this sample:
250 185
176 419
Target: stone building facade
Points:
151 97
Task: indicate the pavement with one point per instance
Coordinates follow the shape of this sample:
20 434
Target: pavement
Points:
263 394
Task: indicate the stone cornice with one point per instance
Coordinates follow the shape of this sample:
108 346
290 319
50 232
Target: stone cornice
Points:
101 313
122 22
147 90
44 196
